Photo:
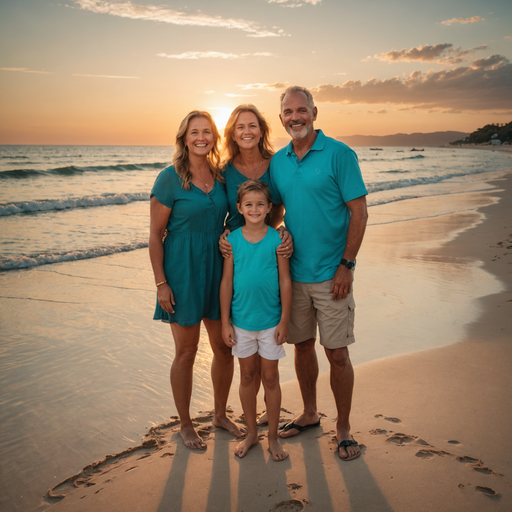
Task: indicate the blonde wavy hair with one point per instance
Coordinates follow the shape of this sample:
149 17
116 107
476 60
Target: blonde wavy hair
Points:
230 149
180 158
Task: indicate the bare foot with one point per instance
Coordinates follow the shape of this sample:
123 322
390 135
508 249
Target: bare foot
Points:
303 421
263 419
227 424
246 444
192 439
277 451
352 451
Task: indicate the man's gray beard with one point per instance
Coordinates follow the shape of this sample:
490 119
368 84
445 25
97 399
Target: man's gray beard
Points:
299 136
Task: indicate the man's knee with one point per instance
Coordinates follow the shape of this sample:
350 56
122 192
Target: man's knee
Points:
338 356
305 348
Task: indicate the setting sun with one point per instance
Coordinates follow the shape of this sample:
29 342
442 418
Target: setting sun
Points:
222 118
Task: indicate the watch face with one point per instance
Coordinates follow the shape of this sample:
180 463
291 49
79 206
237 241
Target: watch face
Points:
348 264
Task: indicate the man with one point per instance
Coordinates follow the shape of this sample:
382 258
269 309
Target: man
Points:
319 182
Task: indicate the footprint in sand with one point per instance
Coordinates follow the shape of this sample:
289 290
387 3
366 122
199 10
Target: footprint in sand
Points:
470 462
377 431
454 442
388 418
486 490
294 487
288 506
401 439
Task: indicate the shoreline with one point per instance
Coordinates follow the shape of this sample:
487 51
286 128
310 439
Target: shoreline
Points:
432 425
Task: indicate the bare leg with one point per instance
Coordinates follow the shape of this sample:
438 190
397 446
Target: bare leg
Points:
306 368
262 419
248 370
222 376
342 384
186 340
270 378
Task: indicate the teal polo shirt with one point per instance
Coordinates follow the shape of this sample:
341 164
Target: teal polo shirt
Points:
314 192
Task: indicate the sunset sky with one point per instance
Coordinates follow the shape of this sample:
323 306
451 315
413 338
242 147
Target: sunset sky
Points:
120 72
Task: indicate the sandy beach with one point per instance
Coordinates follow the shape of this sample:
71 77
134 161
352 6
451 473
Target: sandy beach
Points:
433 424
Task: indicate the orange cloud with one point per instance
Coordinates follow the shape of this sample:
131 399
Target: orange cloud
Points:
213 55
270 87
474 19
438 53
165 15
25 70
483 87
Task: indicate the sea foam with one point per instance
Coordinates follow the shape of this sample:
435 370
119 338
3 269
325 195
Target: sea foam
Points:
45 205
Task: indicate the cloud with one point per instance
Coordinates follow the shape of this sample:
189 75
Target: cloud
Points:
443 53
126 9
209 92
269 87
295 3
382 111
107 76
232 95
25 70
493 62
422 53
507 37
474 19
213 55
482 87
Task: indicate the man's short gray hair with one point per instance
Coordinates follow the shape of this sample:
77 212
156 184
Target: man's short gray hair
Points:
298 88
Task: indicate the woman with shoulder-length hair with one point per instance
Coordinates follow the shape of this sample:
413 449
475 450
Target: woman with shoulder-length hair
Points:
188 207
246 155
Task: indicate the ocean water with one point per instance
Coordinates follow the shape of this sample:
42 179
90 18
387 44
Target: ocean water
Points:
84 369
64 203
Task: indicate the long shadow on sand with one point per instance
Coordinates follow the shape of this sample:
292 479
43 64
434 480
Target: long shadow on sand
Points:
363 491
172 496
260 477
318 489
219 495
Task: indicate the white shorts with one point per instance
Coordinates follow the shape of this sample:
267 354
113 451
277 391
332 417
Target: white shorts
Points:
262 342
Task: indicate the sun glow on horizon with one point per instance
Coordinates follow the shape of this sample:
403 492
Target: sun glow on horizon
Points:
222 118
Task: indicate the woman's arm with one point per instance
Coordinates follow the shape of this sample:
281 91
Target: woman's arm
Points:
226 296
285 290
286 247
159 216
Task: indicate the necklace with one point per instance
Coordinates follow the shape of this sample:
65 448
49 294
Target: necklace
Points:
201 181
255 173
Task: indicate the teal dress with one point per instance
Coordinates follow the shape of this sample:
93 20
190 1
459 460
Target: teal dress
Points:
192 260
234 179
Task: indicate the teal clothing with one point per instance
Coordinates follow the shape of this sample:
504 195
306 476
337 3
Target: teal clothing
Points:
192 260
256 303
234 179
314 192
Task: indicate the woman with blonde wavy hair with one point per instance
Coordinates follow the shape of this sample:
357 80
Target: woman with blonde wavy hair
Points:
188 207
246 155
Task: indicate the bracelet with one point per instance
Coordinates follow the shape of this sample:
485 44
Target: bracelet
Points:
162 282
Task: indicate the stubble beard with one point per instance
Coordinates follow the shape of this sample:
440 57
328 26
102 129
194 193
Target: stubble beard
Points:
299 135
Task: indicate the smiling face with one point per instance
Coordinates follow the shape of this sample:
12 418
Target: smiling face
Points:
247 132
297 115
254 206
199 137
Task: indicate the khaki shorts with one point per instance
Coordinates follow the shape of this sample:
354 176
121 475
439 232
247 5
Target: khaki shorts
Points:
312 305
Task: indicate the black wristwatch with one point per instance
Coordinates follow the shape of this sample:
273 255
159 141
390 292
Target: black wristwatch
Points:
349 264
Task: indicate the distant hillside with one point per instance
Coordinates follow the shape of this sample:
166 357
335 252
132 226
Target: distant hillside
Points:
404 139
485 135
